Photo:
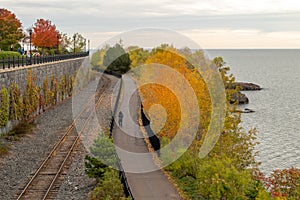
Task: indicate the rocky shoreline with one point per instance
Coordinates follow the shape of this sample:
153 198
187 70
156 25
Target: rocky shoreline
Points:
242 86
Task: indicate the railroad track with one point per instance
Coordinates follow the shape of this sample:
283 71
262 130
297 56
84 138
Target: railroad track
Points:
47 179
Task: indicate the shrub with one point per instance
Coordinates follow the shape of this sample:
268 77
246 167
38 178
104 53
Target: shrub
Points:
46 92
4 107
9 54
19 130
94 167
103 149
16 106
110 187
54 87
219 179
285 183
30 97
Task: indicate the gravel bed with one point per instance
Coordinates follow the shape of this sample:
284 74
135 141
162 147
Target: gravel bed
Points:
77 185
27 153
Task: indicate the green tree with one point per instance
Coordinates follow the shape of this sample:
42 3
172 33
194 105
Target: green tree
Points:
78 43
65 43
224 70
98 58
104 150
10 29
117 60
94 167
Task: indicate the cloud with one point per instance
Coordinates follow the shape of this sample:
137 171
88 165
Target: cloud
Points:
101 16
244 38
205 38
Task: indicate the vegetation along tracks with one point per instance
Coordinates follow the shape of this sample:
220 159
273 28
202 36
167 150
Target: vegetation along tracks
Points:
46 181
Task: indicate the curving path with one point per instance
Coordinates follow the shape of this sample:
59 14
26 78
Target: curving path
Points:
145 179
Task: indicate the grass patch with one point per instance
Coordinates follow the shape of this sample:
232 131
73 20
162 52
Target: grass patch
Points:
3 149
18 131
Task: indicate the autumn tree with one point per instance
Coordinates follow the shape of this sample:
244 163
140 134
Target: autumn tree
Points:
10 29
45 34
138 56
285 183
155 94
227 172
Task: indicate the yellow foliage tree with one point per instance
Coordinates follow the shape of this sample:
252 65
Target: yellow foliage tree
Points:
173 99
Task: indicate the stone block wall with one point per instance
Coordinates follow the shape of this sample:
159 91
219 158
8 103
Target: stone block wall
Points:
39 72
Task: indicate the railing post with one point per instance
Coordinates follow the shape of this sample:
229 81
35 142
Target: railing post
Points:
8 62
13 61
3 66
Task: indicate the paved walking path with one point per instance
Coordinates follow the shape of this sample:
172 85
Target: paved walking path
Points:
145 179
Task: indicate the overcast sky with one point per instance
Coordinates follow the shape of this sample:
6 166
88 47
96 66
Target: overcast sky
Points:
211 23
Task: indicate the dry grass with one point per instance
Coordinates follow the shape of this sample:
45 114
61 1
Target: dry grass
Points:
18 131
3 149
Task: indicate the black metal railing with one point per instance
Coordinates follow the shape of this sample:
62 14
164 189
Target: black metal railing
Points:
20 61
112 123
154 140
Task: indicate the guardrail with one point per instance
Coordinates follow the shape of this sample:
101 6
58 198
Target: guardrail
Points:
112 123
14 62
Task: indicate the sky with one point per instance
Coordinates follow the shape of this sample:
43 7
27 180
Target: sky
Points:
212 24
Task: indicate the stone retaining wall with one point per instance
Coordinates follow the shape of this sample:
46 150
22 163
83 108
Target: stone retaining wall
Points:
39 72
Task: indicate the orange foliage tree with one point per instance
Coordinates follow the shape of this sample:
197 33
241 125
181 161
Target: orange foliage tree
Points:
10 29
45 34
172 101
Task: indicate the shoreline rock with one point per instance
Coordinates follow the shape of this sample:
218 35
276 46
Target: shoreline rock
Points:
245 86
240 98
246 110
242 86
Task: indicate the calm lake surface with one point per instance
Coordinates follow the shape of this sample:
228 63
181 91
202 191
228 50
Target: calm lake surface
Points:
277 106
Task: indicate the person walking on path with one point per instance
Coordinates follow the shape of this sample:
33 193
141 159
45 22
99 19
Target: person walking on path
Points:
120 118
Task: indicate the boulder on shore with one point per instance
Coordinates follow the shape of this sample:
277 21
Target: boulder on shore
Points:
244 86
246 110
239 97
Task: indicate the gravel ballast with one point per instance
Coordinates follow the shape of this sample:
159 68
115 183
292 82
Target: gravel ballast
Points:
26 154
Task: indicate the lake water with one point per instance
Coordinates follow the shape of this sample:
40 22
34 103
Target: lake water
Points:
277 106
